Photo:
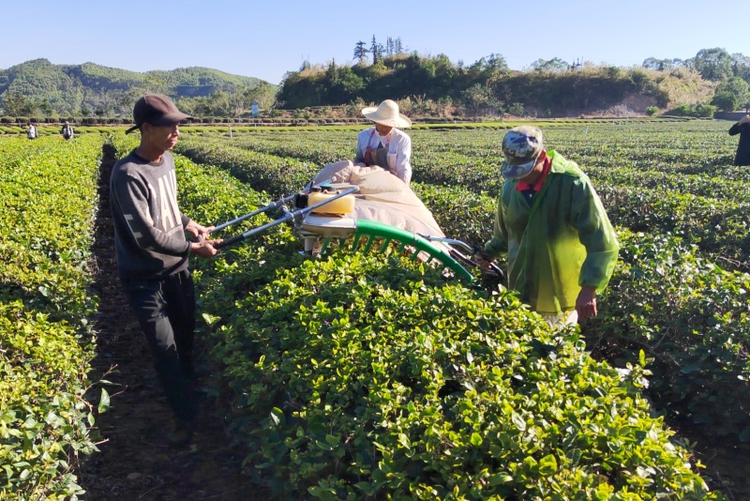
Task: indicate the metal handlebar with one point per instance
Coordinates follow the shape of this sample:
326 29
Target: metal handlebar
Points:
272 205
288 216
473 249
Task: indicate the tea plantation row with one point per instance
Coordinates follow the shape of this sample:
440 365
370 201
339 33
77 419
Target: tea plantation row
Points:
405 385
668 296
273 174
48 200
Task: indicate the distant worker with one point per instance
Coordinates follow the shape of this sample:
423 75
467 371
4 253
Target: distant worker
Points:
743 148
67 131
385 145
560 246
32 132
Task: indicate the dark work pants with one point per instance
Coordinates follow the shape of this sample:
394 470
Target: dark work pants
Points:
166 312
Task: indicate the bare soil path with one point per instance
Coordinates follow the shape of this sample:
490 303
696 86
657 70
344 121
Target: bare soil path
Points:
135 461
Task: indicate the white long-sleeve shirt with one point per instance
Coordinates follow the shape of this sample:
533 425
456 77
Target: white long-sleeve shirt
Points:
399 150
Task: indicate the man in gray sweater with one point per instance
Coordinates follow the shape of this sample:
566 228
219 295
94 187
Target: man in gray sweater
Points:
152 252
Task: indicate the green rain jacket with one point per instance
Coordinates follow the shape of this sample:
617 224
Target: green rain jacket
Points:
560 243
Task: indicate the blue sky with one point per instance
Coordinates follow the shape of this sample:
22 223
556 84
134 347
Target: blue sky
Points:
267 39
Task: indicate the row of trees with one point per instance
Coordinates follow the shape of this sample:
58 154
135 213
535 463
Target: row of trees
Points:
435 85
731 73
713 77
713 64
392 47
489 87
16 104
397 76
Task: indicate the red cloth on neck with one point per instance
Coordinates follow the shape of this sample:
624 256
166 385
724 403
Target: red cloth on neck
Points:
521 186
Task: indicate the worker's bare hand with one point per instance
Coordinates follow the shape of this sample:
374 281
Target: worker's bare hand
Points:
744 119
205 248
483 260
586 302
197 230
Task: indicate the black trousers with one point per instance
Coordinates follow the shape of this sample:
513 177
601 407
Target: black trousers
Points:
166 313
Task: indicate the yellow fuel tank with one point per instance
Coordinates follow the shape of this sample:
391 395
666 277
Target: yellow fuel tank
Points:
343 205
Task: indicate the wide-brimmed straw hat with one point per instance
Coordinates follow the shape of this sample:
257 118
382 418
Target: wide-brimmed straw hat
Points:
386 113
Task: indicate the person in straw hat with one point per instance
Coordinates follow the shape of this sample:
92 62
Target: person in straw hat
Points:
385 145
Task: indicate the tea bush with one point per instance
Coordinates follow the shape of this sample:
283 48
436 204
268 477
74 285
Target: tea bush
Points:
387 387
352 376
274 175
692 319
355 378
718 227
48 199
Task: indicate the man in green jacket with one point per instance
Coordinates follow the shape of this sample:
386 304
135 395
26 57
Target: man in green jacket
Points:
560 246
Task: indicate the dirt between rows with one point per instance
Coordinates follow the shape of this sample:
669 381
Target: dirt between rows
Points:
135 461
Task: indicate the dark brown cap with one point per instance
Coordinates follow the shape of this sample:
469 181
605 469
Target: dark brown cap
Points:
155 109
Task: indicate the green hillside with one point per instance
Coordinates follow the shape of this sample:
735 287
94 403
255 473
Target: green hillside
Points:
423 86
40 87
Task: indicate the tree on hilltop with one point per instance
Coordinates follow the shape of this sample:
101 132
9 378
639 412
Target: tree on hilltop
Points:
653 63
554 65
377 50
713 64
394 47
389 46
360 52
732 94
399 47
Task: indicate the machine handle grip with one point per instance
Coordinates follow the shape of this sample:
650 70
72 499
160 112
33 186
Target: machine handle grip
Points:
229 241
